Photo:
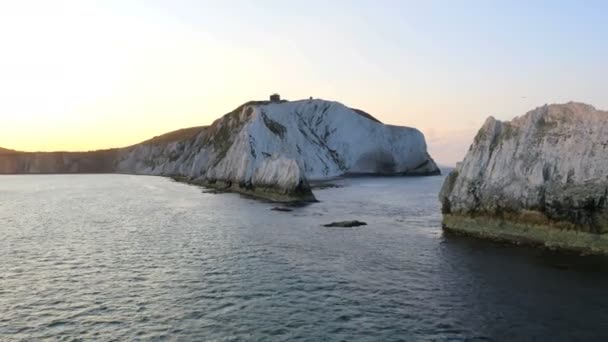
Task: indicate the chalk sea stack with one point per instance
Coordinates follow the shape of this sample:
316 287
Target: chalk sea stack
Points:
268 149
541 178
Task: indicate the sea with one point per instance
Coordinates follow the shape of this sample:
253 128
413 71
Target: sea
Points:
142 258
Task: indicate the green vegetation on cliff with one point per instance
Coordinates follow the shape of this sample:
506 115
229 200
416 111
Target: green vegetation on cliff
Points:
527 231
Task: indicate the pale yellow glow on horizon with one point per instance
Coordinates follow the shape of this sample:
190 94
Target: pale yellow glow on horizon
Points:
85 75
85 79
79 77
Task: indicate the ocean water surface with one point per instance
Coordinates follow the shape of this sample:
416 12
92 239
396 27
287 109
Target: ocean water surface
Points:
118 257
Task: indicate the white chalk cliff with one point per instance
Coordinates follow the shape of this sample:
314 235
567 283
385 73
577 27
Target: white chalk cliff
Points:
272 149
547 168
282 145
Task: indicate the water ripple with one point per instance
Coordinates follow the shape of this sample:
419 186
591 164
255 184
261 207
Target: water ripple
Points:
114 258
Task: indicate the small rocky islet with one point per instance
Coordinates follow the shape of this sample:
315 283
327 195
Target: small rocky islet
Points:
283 209
345 224
539 179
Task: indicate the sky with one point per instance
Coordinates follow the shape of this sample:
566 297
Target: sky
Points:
83 75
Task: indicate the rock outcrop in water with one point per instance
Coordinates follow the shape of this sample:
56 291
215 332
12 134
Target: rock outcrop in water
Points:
266 149
541 178
345 224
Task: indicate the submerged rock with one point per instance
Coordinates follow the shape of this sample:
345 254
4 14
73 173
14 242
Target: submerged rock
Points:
264 149
281 209
541 178
346 224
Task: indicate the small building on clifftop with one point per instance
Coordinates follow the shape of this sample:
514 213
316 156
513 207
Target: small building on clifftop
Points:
276 98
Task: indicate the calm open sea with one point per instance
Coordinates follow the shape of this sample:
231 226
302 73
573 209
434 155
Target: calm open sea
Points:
117 257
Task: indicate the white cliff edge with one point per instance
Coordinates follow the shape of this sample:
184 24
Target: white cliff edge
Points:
541 178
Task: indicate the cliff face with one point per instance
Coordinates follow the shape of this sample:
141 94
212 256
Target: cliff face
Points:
266 149
326 139
548 168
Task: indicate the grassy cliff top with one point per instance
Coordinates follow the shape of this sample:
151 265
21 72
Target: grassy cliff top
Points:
6 151
179 135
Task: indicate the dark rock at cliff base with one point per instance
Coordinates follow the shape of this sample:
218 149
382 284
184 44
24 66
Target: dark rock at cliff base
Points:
345 224
213 191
